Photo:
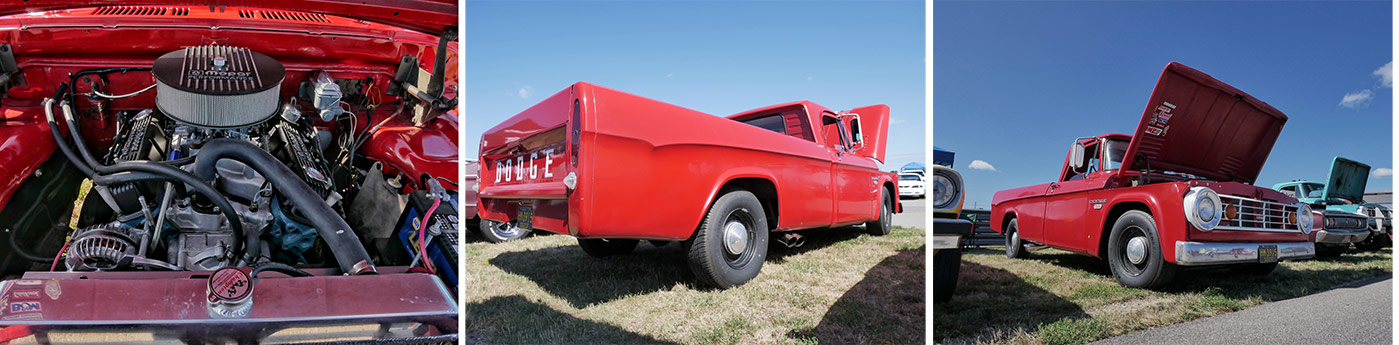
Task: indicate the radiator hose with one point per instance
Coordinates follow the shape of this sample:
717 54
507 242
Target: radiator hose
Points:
349 252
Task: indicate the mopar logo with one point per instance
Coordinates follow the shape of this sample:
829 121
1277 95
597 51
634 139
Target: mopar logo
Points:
20 307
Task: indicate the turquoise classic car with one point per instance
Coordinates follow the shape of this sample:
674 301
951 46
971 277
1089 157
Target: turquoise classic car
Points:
1344 191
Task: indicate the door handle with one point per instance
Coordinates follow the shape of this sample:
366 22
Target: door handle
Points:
1053 186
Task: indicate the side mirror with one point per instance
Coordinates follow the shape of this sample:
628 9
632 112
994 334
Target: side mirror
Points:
1076 155
857 141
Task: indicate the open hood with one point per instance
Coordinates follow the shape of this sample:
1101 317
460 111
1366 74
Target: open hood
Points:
429 16
874 127
1347 180
1198 125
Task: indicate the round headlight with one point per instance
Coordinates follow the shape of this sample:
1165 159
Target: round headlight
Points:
1202 208
1304 218
944 192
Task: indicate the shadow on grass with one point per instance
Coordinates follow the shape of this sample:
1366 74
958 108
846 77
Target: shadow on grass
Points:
516 320
886 307
991 300
583 280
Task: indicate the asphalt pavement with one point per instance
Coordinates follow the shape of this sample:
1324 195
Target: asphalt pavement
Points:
913 214
1358 313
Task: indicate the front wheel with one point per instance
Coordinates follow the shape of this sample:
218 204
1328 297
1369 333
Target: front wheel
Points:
947 263
730 245
1015 249
883 225
1134 252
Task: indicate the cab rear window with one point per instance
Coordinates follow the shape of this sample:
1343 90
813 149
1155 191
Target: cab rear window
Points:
773 122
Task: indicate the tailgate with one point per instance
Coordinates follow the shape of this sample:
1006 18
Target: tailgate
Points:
527 156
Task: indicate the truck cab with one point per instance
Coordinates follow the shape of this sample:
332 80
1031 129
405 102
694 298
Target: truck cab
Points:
1177 192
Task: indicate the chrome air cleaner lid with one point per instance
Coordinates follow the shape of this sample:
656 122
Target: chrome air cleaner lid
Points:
218 86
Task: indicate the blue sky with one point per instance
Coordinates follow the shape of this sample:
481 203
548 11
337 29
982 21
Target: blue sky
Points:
720 58
1014 83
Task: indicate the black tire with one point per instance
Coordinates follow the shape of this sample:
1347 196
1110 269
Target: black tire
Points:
1153 271
1329 251
947 264
1375 241
1015 248
497 232
883 225
599 248
711 260
1254 269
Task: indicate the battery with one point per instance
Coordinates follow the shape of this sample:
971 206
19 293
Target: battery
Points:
442 230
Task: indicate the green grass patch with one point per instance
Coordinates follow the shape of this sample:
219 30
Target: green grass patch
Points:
1072 332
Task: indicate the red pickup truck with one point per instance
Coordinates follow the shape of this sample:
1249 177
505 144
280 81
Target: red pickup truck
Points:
611 168
1177 193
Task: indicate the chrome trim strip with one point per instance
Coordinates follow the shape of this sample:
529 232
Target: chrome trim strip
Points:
1339 237
1202 253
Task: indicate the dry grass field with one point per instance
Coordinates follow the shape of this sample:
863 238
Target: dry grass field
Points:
841 287
1056 297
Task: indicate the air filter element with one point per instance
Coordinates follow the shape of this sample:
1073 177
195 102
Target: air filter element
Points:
218 86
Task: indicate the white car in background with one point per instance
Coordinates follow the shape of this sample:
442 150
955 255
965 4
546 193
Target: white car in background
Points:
911 185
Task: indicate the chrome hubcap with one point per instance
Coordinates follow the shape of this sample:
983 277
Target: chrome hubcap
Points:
735 237
1136 250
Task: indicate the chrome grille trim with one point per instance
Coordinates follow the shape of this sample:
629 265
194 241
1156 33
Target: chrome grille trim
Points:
1274 215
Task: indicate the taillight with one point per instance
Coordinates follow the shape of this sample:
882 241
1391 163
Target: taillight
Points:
577 134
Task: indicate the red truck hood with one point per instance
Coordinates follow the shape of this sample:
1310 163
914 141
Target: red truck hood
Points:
429 16
1198 125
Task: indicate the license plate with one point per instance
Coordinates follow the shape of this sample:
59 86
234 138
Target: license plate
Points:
1267 253
525 220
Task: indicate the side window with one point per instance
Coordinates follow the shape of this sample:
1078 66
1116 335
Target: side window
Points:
834 131
1290 191
1091 151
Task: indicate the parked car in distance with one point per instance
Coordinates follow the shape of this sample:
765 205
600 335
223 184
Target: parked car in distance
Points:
612 168
911 185
948 230
1162 197
1334 231
1344 191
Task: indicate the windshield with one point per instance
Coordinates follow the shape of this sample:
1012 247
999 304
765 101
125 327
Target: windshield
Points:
1115 149
1314 190
910 178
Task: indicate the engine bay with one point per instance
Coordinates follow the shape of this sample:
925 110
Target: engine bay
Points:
209 163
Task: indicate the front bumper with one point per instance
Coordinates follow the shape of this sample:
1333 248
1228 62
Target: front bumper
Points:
1210 253
913 192
947 233
1334 236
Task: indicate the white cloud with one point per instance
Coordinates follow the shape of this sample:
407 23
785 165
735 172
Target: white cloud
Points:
981 165
525 92
1356 99
1386 74
670 75
809 77
895 120
1382 172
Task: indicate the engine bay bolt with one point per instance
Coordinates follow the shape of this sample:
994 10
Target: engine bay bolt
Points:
38 172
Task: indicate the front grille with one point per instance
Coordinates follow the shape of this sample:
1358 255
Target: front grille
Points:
1339 221
1257 215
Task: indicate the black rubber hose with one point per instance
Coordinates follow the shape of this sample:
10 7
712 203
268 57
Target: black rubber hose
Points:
343 243
152 171
278 267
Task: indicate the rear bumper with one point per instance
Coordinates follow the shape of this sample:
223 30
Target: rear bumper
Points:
947 233
1210 253
1333 236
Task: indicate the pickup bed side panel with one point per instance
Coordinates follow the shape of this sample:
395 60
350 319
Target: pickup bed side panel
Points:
1027 203
649 154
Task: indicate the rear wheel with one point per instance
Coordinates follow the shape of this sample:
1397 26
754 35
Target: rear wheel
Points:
947 263
498 232
603 248
883 225
1134 252
730 245
1375 241
1015 249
